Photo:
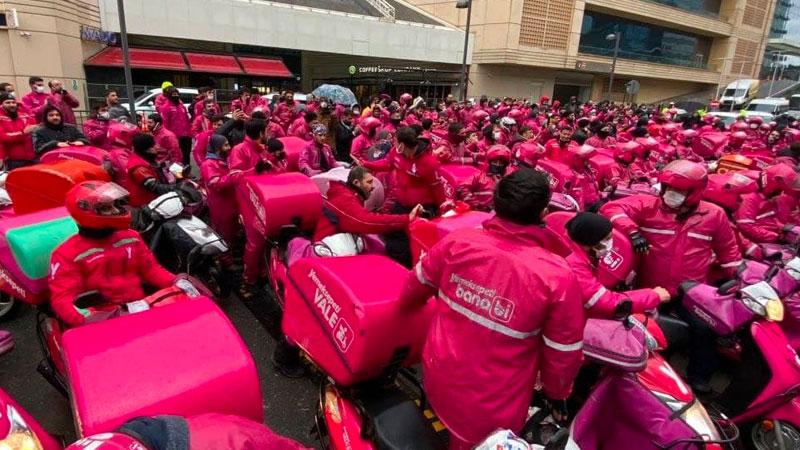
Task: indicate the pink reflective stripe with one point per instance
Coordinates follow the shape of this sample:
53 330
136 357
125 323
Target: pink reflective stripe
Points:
421 275
745 221
704 237
484 321
617 216
592 301
562 347
751 249
765 215
731 264
657 230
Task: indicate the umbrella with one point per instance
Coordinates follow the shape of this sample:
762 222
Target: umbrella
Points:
336 94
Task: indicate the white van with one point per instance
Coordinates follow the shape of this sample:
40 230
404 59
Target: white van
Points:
145 104
794 106
767 108
739 92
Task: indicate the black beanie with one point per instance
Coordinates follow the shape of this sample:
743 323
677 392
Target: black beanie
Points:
588 228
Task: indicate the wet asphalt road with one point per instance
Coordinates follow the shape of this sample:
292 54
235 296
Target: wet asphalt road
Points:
289 405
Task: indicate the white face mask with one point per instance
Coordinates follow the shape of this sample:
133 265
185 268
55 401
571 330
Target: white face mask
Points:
674 199
497 135
39 89
603 248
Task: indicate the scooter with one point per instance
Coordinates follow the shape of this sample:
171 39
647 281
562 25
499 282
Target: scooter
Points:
764 393
19 430
181 241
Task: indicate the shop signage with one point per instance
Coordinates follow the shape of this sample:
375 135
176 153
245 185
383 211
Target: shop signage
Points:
381 69
98 35
351 70
591 66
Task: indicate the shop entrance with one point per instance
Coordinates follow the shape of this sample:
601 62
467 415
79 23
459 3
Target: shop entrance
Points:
562 92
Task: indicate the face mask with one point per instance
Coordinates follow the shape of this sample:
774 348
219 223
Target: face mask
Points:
673 199
603 248
497 136
39 89
104 115
210 96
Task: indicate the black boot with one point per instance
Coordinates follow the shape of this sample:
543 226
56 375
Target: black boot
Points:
287 361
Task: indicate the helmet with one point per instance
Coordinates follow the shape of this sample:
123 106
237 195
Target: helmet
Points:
626 152
498 152
368 124
737 138
99 205
529 153
685 136
479 116
755 121
685 175
406 98
121 134
107 441
779 178
738 126
647 144
576 156
516 114
726 189
507 122
765 127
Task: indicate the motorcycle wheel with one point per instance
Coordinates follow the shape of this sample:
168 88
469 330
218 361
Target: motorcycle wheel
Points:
8 306
767 439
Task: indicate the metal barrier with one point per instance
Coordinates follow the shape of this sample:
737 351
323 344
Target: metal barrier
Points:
384 8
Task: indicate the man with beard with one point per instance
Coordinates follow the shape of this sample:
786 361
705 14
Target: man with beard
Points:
15 134
146 179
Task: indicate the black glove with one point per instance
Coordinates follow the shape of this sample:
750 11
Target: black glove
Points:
640 244
262 166
558 410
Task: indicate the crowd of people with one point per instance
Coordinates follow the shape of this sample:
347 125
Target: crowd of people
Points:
474 360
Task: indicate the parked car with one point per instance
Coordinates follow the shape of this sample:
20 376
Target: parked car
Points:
768 108
794 106
727 117
145 104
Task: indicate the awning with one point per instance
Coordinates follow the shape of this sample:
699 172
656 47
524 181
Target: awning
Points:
205 62
140 59
265 67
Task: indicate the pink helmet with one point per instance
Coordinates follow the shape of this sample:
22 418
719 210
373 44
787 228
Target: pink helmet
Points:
685 136
576 156
121 134
668 129
406 98
369 124
498 152
107 441
726 189
516 114
648 145
529 153
626 152
779 178
479 116
765 127
758 120
739 126
737 139
685 175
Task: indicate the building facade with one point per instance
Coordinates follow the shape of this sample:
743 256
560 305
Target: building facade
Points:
560 48
372 45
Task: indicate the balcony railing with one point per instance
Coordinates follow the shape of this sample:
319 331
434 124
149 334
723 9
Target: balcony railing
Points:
696 62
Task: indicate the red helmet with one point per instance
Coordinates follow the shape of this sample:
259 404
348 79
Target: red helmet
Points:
626 152
765 127
576 156
107 441
684 175
726 189
369 124
516 114
779 178
755 121
121 134
479 116
529 153
685 136
737 139
99 205
739 126
648 145
498 152
406 98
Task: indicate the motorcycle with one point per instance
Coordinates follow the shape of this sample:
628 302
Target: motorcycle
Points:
19 430
764 393
181 241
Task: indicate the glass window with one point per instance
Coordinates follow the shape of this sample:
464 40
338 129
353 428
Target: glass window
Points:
762 107
643 41
705 7
734 93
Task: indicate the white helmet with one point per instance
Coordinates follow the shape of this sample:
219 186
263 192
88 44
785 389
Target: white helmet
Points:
507 122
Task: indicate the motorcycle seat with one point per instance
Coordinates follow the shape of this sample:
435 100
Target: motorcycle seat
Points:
675 330
394 422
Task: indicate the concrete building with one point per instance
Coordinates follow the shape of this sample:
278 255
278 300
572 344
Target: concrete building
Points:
372 45
529 48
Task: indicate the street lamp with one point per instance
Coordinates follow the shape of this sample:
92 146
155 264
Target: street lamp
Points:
776 58
126 61
615 36
462 4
